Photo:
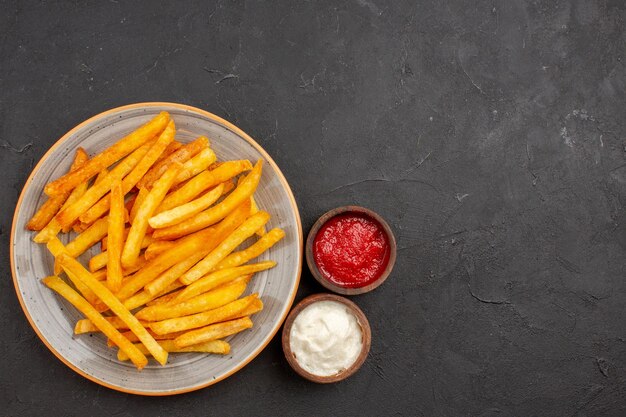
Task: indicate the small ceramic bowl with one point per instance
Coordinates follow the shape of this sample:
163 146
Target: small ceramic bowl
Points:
365 329
310 259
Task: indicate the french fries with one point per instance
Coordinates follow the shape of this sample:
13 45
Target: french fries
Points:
182 155
132 352
184 249
114 153
141 195
53 226
194 321
115 237
86 326
185 211
171 275
171 148
143 297
218 233
203 181
196 165
134 339
207 301
148 206
72 266
89 237
101 175
174 280
253 210
247 229
213 332
56 248
268 240
213 346
164 299
130 180
147 240
157 248
93 194
214 214
217 278
50 208
253 308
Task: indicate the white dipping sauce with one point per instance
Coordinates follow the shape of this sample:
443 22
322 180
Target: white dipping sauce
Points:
326 338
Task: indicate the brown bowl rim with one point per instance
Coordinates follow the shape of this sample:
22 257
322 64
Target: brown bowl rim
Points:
310 260
361 319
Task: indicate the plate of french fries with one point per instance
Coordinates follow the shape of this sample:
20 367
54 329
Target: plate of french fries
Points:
156 249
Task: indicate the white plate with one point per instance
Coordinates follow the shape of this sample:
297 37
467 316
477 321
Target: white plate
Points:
53 318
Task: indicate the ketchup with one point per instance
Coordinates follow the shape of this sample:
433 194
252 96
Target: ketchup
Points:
351 250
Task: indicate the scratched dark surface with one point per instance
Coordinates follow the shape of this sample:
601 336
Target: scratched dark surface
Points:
490 135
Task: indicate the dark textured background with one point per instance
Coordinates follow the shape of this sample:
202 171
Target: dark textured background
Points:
490 134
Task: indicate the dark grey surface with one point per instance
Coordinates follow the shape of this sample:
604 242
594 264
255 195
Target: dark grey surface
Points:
489 134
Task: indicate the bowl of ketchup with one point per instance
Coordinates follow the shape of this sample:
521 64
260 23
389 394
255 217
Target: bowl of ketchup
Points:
350 250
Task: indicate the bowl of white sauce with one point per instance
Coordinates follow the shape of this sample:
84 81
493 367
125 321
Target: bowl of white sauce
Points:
326 338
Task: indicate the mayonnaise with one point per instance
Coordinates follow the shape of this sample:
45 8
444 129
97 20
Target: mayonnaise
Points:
326 338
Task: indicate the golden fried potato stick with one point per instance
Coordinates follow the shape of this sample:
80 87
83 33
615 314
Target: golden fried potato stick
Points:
100 260
101 175
78 227
53 227
171 148
50 208
195 165
247 229
93 194
218 233
182 155
134 339
213 332
187 210
257 248
112 154
139 263
115 237
207 301
147 240
158 247
213 346
130 180
85 240
86 326
202 319
73 266
141 196
217 278
56 248
203 181
138 228
171 275
253 210
89 237
130 201
253 308
184 249
76 194
214 214
100 275
64 290
164 299
143 298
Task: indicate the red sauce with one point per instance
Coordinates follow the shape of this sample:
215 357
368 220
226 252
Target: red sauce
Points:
351 250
